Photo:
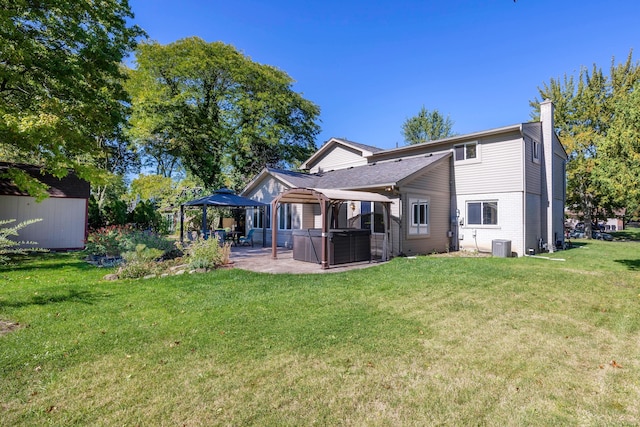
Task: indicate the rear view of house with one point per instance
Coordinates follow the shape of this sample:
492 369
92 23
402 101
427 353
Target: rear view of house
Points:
466 192
64 213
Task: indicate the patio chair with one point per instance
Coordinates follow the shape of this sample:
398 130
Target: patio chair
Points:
246 240
221 235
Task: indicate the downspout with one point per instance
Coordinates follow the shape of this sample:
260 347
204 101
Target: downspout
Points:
274 232
523 154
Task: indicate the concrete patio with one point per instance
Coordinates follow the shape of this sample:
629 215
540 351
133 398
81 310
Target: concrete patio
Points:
259 259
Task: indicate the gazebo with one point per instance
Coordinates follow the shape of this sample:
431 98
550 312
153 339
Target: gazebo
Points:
222 198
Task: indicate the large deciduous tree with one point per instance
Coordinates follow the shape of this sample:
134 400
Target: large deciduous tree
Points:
62 103
427 126
222 115
597 118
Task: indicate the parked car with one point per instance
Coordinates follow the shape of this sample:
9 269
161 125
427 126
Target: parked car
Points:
576 234
602 236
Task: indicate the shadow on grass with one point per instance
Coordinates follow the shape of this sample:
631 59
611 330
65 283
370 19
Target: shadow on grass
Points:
72 295
45 261
631 264
575 245
633 236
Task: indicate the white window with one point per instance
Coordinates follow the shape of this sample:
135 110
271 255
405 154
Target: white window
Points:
372 216
284 217
419 216
258 217
482 213
466 151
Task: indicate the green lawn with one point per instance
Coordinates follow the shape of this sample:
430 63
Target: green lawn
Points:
425 341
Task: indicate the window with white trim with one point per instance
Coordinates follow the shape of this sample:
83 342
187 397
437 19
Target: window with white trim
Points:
482 213
418 215
284 216
258 218
466 151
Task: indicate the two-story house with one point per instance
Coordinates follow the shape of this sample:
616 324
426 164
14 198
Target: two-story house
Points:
460 193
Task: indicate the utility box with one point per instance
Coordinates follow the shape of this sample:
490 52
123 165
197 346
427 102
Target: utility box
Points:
501 248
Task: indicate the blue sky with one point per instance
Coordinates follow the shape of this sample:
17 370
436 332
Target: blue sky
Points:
370 65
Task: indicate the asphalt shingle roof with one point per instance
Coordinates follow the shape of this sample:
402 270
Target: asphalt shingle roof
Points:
371 175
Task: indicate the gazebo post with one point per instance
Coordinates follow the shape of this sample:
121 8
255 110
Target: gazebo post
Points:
204 221
181 223
325 233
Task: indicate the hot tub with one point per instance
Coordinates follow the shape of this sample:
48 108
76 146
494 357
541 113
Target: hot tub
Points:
344 245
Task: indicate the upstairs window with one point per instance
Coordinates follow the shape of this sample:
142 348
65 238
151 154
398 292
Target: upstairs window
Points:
466 151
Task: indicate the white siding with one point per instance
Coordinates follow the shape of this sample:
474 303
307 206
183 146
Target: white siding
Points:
338 157
63 220
498 169
509 225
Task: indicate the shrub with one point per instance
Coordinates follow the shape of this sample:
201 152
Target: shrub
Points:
116 239
109 241
208 253
8 246
140 262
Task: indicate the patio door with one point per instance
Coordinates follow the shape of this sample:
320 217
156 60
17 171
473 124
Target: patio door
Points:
372 218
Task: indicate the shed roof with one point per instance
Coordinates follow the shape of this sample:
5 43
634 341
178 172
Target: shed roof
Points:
69 186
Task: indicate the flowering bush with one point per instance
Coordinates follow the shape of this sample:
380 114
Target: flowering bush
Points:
107 241
114 240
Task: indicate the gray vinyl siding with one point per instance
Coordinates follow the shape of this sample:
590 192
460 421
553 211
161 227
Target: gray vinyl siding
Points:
533 132
497 170
339 157
533 222
435 185
559 178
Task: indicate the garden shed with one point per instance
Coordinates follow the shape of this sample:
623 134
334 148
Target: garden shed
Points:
64 213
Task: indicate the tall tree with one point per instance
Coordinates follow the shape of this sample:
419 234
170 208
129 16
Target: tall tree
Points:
61 93
221 114
427 126
596 123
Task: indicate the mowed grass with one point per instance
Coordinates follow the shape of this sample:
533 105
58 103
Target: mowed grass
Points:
425 341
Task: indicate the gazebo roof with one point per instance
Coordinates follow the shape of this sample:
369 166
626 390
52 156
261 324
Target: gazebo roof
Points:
224 198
